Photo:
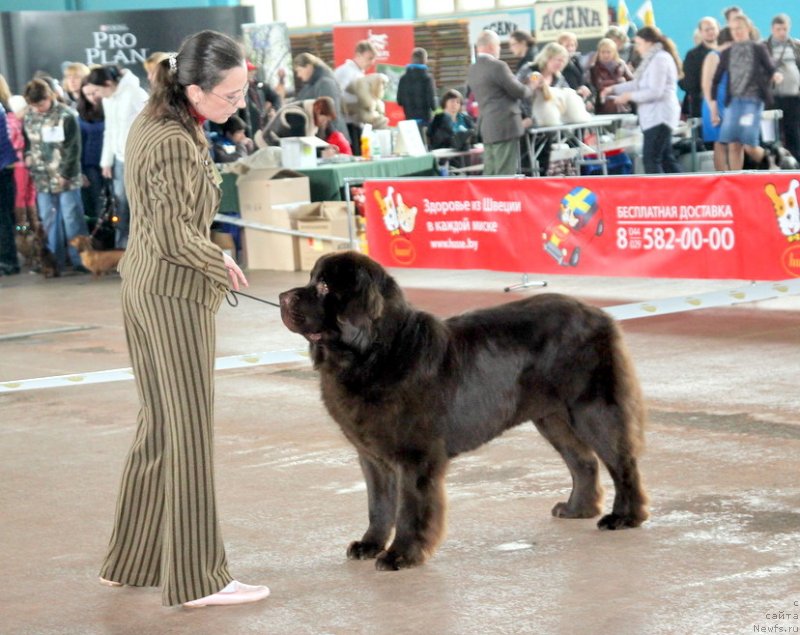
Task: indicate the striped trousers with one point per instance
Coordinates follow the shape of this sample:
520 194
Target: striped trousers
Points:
166 531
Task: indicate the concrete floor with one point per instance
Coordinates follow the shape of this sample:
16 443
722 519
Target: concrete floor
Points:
719 555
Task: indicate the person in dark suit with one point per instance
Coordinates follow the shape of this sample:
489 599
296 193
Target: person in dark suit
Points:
497 92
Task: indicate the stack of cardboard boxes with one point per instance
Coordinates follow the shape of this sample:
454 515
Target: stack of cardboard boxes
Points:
284 203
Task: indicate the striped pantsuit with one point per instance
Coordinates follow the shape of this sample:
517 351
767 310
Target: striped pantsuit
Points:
166 531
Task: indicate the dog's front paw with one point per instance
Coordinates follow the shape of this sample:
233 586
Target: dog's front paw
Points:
391 560
615 521
360 550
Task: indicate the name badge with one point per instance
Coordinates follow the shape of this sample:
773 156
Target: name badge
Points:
53 134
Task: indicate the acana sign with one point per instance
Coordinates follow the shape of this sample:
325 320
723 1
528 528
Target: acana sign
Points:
502 28
570 19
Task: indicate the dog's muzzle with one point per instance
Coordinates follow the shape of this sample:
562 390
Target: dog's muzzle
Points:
294 320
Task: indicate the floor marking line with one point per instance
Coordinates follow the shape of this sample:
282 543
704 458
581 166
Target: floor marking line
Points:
124 374
56 330
754 292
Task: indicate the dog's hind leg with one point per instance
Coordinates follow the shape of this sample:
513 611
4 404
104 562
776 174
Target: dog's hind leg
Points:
421 516
586 498
382 499
607 430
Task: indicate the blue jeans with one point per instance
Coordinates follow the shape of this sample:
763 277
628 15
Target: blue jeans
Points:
657 151
123 211
62 217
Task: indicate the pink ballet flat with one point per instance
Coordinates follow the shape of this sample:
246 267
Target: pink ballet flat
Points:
110 582
234 593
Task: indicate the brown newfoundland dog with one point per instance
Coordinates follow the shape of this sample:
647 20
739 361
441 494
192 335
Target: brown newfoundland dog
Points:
411 391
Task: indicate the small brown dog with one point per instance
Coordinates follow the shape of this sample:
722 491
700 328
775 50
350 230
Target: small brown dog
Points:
31 242
98 262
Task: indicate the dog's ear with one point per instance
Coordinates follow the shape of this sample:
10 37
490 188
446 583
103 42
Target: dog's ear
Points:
359 318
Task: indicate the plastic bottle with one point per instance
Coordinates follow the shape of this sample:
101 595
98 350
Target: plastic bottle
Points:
376 146
366 146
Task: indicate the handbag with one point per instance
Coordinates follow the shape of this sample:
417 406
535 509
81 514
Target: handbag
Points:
104 231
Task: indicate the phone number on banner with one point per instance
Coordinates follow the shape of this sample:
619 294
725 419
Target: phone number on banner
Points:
670 238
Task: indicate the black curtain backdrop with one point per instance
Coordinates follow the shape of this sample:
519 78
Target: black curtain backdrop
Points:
43 40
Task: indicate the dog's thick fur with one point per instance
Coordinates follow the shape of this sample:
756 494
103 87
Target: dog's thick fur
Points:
98 262
411 392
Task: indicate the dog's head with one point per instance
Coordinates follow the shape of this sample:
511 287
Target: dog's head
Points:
345 301
81 243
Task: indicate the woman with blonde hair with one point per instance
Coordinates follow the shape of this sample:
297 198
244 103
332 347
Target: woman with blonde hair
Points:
606 70
751 72
74 74
150 65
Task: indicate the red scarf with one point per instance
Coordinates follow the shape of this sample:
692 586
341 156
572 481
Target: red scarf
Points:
197 116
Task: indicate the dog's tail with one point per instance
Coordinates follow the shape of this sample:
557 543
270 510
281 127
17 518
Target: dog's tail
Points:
628 393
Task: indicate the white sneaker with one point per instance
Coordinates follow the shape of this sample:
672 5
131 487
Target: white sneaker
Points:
235 593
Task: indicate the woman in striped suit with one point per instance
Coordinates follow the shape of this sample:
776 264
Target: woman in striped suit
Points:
166 531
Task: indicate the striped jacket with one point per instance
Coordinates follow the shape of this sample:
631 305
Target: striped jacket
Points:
173 193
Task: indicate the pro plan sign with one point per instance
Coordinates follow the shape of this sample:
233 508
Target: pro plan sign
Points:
588 19
115 44
44 40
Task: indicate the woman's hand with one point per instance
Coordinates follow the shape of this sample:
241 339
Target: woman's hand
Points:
624 98
234 272
714 112
107 173
536 80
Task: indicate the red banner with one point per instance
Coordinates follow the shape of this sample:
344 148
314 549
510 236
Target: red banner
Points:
744 226
393 42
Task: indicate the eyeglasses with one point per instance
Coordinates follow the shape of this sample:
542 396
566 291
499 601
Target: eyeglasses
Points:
233 101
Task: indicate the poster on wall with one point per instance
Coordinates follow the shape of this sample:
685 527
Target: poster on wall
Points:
588 19
393 42
45 40
504 24
742 226
267 46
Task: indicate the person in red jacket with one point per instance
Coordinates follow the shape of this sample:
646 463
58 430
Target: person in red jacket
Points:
324 113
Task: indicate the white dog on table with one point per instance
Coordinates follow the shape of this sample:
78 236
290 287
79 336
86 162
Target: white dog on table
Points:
553 106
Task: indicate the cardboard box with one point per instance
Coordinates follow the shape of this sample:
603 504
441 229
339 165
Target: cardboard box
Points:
300 152
274 202
328 218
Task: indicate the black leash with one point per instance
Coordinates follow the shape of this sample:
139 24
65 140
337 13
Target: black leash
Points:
235 301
